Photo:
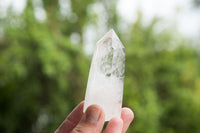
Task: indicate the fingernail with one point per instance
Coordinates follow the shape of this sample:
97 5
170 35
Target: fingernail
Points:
92 114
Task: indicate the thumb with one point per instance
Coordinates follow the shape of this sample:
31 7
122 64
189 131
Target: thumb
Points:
92 121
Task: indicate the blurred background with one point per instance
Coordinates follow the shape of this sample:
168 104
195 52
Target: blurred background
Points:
46 48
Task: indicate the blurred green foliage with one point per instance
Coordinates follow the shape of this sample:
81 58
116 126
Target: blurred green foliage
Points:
197 3
43 75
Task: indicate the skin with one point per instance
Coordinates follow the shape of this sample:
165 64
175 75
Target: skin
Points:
93 119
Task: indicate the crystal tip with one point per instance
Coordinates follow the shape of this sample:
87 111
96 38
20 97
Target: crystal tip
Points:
110 34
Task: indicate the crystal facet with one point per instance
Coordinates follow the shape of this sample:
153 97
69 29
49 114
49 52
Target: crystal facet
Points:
106 77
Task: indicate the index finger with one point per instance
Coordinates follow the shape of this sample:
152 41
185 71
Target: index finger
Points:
72 119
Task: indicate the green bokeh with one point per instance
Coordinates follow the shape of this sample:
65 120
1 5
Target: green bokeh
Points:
43 75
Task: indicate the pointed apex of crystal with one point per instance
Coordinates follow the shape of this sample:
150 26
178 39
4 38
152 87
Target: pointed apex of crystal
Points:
111 37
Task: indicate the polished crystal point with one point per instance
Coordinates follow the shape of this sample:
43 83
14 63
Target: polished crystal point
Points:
106 77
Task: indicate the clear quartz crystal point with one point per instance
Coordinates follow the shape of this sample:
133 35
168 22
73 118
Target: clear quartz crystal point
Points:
106 77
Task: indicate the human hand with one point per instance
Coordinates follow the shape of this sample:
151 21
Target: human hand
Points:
93 120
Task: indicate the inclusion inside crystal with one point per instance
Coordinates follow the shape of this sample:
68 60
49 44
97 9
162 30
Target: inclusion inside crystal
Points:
106 77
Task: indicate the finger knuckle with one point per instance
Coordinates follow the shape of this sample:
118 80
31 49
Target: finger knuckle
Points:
77 130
